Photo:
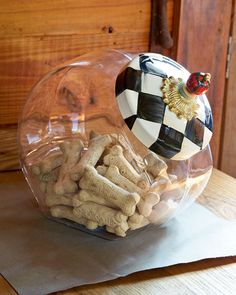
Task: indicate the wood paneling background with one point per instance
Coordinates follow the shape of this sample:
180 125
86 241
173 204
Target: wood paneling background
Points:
37 35
201 45
228 156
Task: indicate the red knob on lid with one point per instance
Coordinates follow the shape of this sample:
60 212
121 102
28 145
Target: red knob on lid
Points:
198 83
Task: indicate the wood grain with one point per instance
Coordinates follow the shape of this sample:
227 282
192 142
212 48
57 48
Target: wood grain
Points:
228 155
190 279
37 35
9 158
201 45
5 288
210 276
219 195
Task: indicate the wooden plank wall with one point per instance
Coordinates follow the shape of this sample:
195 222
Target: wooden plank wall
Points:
202 41
228 155
37 35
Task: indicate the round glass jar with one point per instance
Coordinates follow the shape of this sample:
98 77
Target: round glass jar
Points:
85 165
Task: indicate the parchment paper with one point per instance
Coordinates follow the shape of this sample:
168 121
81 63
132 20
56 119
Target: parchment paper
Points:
39 256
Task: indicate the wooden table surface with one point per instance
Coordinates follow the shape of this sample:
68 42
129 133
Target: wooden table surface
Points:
210 276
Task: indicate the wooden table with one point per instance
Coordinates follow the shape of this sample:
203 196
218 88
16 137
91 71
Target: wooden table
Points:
210 276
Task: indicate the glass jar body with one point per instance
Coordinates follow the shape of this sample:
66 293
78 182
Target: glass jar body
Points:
71 115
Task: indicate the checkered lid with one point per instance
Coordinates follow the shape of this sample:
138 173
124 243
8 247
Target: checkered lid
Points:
164 106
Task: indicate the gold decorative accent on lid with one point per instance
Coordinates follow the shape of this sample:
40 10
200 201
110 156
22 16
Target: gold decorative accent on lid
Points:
178 99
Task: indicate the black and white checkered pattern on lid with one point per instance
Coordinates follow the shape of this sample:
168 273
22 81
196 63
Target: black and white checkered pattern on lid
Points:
140 100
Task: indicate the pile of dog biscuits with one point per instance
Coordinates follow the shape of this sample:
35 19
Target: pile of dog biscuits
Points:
105 185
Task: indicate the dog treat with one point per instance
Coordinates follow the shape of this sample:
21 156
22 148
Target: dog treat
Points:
47 171
109 185
134 159
113 174
114 219
100 185
173 191
160 184
134 226
155 165
47 187
137 221
47 181
175 194
102 169
54 200
50 177
106 151
87 195
147 202
163 179
71 153
36 169
117 158
67 212
92 155
48 164
119 231
135 218
43 186
162 211
128 152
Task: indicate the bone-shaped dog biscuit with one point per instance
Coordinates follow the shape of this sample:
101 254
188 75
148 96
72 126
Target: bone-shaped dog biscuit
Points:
46 187
88 195
54 200
91 156
147 202
48 164
162 211
43 186
155 165
100 185
102 169
67 212
117 158
47 171
137 221
50 177
103 216
114 175
118 230
172 193
133 158
165 183
71 153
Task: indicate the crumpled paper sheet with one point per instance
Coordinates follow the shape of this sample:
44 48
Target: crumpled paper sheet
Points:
39 256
